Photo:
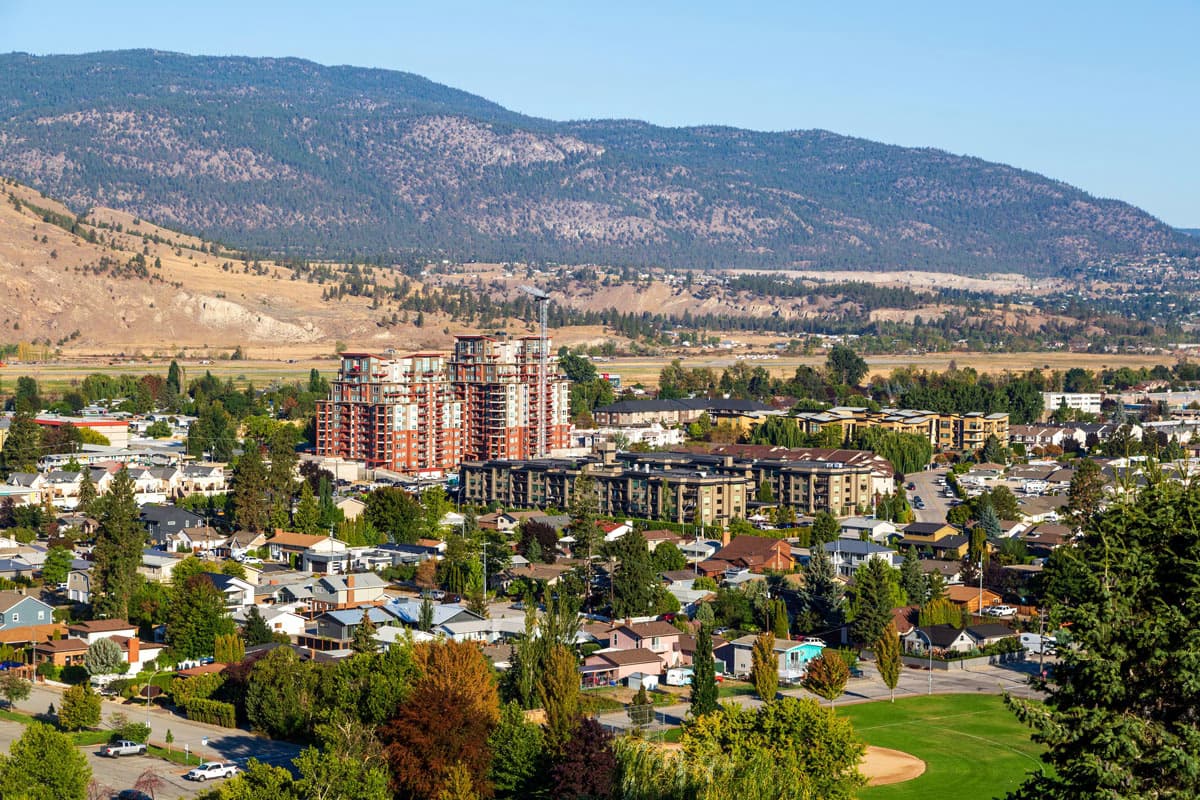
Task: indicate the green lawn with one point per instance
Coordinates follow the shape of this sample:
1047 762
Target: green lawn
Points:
972 746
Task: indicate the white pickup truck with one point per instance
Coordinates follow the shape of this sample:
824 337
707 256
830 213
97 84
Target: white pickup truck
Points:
212 769
124 747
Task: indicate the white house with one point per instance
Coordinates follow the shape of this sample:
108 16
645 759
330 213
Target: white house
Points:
850 554
877 530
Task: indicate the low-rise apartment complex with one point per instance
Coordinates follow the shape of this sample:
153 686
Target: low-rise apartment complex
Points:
675 486
945 431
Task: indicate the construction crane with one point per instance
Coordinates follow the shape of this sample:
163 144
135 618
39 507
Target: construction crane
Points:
543 303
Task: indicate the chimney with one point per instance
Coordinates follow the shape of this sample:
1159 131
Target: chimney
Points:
135 650
724 536
350 589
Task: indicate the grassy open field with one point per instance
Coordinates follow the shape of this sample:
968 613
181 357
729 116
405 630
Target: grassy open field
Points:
646 370
973 748
58 376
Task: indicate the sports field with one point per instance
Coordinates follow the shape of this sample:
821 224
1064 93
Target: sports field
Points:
972 746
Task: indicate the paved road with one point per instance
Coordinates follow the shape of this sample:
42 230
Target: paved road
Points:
929 490
205 742
870 688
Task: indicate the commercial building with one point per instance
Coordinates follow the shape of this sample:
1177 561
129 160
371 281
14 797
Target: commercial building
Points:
1086 402
424 413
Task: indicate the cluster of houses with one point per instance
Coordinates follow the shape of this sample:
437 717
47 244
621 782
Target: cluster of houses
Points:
61 486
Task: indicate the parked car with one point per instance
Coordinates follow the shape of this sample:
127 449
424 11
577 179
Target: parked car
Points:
212 769
124 747
1000 611
133 794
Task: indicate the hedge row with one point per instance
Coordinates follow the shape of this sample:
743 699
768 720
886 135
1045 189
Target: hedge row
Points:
214 712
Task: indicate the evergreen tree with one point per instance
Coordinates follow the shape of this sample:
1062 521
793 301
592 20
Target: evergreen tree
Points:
250 490
824 528
912 580
873 595
308 513
935 584
989 521
824 600
87 492
23 445
583 510
174 385
517 757
1119 717
425 619
765 493
704 675
256 631
364 635
197 614
779 619
635 583
118 550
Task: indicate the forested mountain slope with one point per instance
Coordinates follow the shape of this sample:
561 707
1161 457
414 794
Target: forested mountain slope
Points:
284 155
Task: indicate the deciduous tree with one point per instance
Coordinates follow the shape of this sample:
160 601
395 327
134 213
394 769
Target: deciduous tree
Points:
887 657
826 676
704 680
44 764
80 708
559 693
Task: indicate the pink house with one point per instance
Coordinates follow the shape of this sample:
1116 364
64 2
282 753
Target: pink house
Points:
611 666
657 636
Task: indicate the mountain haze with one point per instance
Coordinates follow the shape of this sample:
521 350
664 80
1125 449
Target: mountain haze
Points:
287 156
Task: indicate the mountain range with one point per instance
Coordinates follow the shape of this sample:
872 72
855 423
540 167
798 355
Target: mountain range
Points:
288 157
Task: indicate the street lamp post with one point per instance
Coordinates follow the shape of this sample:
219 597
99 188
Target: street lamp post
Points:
929 652
149 693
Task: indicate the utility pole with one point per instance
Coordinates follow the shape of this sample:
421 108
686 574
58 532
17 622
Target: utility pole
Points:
1042 642
980 586
485 580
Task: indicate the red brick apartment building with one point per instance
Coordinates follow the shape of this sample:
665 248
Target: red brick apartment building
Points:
424 413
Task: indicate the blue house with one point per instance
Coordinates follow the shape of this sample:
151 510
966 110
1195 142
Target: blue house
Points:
24 619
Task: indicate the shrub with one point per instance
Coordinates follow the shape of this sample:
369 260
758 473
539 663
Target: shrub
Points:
74 675
213 712
48 671
131 731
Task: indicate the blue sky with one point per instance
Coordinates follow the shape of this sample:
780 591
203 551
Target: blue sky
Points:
1102 94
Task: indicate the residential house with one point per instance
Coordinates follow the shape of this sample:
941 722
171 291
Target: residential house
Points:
609 666
943 540
308 552
351 507
280 619
970 596
501 521
79 585
905 619
793 657
334 630
657 636
699 550
238 593
158 566
24 619
95 629
940 637
72 651
163 521
353 590
614 530
407 612
242 542
201 540
951 571
867 528
656 537
850 554
1046 537
205 479
755 553
989 633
